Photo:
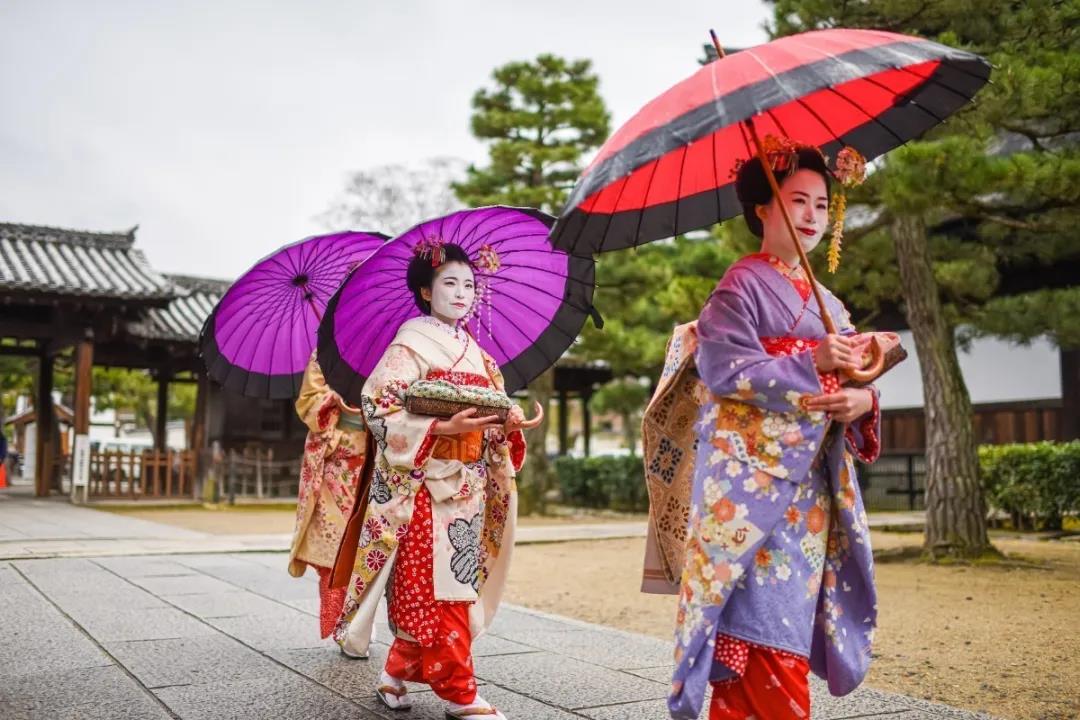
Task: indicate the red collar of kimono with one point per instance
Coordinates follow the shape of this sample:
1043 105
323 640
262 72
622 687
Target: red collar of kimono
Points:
794 275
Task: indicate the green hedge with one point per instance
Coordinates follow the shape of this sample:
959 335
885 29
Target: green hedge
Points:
1037 484
614 482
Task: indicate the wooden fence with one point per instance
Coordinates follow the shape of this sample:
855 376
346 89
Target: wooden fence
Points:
897 481
254 473
149 474
904 430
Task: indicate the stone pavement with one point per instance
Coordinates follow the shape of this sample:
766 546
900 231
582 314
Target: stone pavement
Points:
232 635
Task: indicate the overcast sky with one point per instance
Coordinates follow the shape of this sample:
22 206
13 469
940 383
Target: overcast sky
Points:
224 128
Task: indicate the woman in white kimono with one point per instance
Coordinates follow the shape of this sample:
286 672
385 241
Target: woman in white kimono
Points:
439 525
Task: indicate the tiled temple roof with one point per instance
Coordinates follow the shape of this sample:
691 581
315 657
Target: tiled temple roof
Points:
55 261
183 318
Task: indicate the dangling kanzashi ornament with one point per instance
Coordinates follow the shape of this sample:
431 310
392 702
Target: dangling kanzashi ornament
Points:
488 263
850 172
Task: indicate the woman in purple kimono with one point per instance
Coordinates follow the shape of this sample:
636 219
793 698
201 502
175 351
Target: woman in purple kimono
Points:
778 578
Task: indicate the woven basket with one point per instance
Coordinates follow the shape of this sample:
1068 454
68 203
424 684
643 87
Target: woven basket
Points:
450 408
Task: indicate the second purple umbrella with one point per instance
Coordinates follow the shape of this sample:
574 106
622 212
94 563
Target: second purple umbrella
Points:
259 337
539 297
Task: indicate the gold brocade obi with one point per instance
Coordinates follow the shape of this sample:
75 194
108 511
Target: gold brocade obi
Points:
466 447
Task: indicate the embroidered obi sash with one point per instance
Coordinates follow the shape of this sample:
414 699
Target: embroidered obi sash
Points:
466 447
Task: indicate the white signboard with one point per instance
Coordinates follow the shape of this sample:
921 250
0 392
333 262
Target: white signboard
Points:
29 460
80 461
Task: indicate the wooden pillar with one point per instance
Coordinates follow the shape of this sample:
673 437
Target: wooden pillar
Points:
84 379
586 421
197 440
162 410
564 424
198 425
46 443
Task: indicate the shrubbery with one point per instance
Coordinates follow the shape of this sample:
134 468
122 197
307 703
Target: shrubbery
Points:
1037 484
606 481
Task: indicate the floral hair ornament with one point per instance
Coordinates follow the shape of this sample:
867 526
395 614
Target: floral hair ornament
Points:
850 172
433 248
488 260
782 152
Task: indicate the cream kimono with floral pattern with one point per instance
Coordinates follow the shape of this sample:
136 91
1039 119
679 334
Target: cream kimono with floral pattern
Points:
474 505
333 456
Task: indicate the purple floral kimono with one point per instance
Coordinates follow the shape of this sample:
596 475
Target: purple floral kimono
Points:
778 548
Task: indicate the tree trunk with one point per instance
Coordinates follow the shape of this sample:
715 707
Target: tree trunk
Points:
535 477
1070 394
955 505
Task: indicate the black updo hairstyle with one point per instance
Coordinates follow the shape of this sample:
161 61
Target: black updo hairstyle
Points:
752 187
421 274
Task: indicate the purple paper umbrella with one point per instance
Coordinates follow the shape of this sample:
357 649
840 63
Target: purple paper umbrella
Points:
539 297
259 337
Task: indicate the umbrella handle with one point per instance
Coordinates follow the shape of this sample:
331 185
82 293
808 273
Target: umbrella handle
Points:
872 369
716 44
826 318
314 308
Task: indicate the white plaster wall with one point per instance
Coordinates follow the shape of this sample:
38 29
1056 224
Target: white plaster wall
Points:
994 371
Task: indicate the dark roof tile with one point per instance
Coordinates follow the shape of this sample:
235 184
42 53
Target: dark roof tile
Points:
56 261
183 318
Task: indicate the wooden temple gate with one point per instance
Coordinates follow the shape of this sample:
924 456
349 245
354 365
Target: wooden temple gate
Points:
95 296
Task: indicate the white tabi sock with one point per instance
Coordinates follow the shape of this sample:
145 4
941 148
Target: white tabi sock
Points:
479 702
386 678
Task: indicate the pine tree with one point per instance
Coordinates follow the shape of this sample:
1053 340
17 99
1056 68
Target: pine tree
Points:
539 119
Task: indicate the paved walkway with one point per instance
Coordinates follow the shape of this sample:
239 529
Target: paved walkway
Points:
232 635
50 528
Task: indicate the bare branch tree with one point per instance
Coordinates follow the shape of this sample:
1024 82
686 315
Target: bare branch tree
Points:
393 198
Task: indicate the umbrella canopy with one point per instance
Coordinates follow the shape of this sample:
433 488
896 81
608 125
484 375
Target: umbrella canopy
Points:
539 297
259 337
670 168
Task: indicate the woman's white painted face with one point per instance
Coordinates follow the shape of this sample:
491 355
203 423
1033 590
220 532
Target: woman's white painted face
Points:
807 201
453 291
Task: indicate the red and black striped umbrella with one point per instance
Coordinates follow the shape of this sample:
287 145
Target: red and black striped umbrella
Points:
670 168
